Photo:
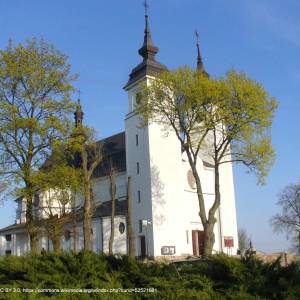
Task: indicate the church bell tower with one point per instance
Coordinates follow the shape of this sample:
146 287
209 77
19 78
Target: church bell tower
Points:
150 156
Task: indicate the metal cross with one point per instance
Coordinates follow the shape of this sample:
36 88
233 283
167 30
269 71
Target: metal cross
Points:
146 6
79 95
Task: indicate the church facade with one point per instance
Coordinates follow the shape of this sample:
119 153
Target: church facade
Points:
165 210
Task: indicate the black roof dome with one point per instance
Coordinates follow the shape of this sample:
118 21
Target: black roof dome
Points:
149 66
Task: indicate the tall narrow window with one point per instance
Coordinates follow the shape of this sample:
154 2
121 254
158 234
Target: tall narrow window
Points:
140 226
136 139
138 98
139 196
137 168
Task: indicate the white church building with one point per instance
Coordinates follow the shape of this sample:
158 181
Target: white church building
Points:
165 210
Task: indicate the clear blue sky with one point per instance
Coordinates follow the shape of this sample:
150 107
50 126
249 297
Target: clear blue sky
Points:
101 38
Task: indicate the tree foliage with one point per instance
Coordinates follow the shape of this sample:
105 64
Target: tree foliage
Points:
219 120
35 90
58 182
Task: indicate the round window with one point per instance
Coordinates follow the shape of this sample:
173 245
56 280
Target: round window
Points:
121 227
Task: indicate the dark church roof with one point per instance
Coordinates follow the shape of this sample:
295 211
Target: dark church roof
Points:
104 209
113 149
113 144
13 227
149 66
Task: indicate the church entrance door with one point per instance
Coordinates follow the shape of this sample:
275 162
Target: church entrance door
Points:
198 242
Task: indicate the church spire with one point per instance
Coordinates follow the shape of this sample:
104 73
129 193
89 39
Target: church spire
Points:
78 114
149 65
200 65
148 50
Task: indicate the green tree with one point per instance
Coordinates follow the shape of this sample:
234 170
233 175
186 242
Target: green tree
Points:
58 181
219 120
87 157
35 90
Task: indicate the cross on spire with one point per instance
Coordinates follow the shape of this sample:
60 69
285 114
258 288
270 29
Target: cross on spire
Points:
148 50
146 6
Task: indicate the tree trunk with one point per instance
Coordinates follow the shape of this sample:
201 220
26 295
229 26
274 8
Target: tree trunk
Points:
209 232
209 238
31 227
55 239
210 221
87 221
56 244
208 224
55 234
74 238
33 237
88 205
74 229
112 217
130 232
299 242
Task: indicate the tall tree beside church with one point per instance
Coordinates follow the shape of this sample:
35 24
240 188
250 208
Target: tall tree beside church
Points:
57 182
35 89
87 156
218 120
112 184
239 120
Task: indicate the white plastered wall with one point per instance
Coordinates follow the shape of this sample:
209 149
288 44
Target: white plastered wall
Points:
120 240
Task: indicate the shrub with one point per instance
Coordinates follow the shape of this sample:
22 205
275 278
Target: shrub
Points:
218 277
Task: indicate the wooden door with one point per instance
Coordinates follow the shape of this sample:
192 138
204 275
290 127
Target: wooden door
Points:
198 242
195 244
201 242
143 246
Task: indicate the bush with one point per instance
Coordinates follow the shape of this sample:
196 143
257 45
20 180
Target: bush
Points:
218 277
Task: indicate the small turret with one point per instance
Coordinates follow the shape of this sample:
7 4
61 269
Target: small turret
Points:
78 114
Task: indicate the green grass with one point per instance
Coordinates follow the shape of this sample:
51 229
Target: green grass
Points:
219 277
